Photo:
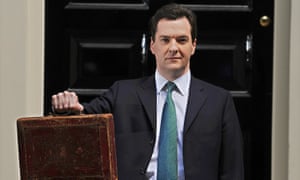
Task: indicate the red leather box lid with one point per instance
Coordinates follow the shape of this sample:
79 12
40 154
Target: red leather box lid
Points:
67 147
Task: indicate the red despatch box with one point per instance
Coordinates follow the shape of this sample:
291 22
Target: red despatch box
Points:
67 147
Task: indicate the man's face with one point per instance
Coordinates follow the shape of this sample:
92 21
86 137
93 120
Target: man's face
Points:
172 47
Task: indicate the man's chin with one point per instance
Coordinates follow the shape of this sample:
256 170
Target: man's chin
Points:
176 70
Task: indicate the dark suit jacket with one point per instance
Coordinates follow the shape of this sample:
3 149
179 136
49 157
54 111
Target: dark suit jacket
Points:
212 141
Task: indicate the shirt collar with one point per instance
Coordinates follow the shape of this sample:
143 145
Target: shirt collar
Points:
182 83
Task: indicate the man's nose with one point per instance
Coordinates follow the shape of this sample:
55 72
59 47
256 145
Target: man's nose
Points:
173 46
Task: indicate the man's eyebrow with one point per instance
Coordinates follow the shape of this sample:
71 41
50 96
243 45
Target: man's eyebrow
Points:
164 36
180 36
183 36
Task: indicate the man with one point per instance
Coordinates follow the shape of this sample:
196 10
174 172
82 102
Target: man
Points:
209 141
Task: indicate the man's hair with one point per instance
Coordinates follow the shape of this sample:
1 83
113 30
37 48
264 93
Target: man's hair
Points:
173 11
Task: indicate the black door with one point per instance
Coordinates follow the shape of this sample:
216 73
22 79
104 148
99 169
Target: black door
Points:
92 43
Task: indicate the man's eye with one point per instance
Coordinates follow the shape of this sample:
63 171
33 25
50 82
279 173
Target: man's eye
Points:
182 40
165 40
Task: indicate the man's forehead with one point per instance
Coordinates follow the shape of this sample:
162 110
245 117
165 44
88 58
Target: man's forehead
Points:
166 25
173 33
165 21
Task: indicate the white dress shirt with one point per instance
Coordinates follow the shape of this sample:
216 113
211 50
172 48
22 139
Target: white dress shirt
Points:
180 98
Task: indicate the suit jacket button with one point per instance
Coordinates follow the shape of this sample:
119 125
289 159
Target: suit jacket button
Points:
142 171
151 142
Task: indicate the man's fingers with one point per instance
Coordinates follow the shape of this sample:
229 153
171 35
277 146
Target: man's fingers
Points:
54 102
60 101
66 101
73 100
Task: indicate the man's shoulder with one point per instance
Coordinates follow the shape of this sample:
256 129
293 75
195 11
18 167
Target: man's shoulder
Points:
135 82
207 86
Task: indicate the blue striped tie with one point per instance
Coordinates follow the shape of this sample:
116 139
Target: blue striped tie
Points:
167 155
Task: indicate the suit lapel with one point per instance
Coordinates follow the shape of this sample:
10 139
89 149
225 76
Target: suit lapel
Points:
147 95
196 101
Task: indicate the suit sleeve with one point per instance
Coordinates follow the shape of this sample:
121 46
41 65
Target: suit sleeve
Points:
103 103
231 162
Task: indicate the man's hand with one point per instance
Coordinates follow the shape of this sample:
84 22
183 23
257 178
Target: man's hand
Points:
66 102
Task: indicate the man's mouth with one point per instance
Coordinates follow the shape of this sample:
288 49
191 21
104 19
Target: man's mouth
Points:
173 58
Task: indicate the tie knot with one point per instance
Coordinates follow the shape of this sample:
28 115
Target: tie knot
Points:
170 86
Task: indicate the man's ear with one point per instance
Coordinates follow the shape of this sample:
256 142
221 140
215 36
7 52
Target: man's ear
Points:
194 46
151 45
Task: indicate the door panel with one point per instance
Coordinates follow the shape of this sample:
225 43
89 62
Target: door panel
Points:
225 63
87 65
89 44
